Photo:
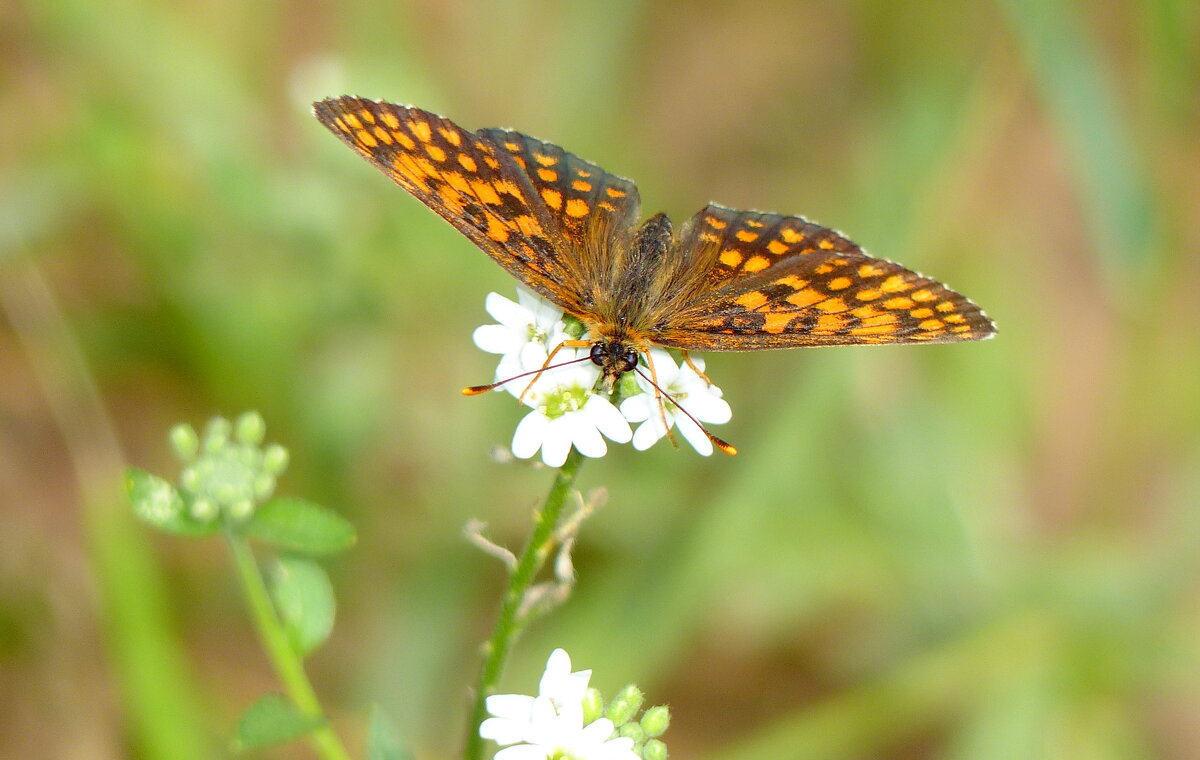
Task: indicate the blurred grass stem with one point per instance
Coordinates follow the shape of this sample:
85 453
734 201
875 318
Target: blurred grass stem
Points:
511 622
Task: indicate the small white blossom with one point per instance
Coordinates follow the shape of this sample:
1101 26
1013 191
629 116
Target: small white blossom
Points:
528 330
689 390
567 412
550 725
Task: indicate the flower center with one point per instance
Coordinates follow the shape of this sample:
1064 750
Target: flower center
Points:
565 399
537 334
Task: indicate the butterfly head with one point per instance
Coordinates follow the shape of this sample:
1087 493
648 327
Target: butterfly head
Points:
615 358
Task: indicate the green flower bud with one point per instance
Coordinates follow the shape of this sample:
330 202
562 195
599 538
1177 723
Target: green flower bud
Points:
593 705
225 492
627 386
633 731
625 705
653 749
264 486
216 434
190 478
249 456
241 509
656 720
275 459
251 428
184 441
573 327
204 510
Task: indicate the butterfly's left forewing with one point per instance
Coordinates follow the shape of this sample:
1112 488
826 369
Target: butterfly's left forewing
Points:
774 281
468 180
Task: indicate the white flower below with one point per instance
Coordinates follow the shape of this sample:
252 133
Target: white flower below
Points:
687 389
567 412
550 725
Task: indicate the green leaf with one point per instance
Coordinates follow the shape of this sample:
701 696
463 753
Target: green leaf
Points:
304 597
301 526
271 720
158 503
383 743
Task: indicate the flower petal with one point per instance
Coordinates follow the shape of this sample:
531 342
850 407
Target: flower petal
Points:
585 436
523 752
556 442
694 435
648 433
507 312
637 408
529 435
503 731
510 706
496 339
608 419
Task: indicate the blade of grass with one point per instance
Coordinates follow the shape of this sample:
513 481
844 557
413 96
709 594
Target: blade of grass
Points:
1073 81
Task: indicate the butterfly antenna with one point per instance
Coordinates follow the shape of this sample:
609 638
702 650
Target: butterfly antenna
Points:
475 390
726 448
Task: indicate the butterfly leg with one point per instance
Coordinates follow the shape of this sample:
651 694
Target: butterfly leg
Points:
658 398
688 360
550 358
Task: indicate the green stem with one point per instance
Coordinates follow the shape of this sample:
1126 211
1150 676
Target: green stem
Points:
509 624
288 665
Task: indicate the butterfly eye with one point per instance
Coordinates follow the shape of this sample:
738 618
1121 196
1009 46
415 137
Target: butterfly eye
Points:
629 360
598 354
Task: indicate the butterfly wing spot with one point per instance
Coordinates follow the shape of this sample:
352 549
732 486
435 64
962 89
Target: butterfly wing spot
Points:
553 198
756 263
805 297
420 130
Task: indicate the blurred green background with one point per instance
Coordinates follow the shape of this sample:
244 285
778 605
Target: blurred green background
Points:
974 551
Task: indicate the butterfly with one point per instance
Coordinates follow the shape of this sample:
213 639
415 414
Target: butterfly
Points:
725 280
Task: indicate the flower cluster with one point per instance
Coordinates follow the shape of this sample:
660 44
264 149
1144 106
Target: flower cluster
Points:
564 720
567 408
228 471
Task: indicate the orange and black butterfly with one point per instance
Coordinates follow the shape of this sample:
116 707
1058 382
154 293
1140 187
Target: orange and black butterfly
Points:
725 281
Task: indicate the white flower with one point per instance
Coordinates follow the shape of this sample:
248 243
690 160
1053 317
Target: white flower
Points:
689 390
550 725
527 325
567 412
